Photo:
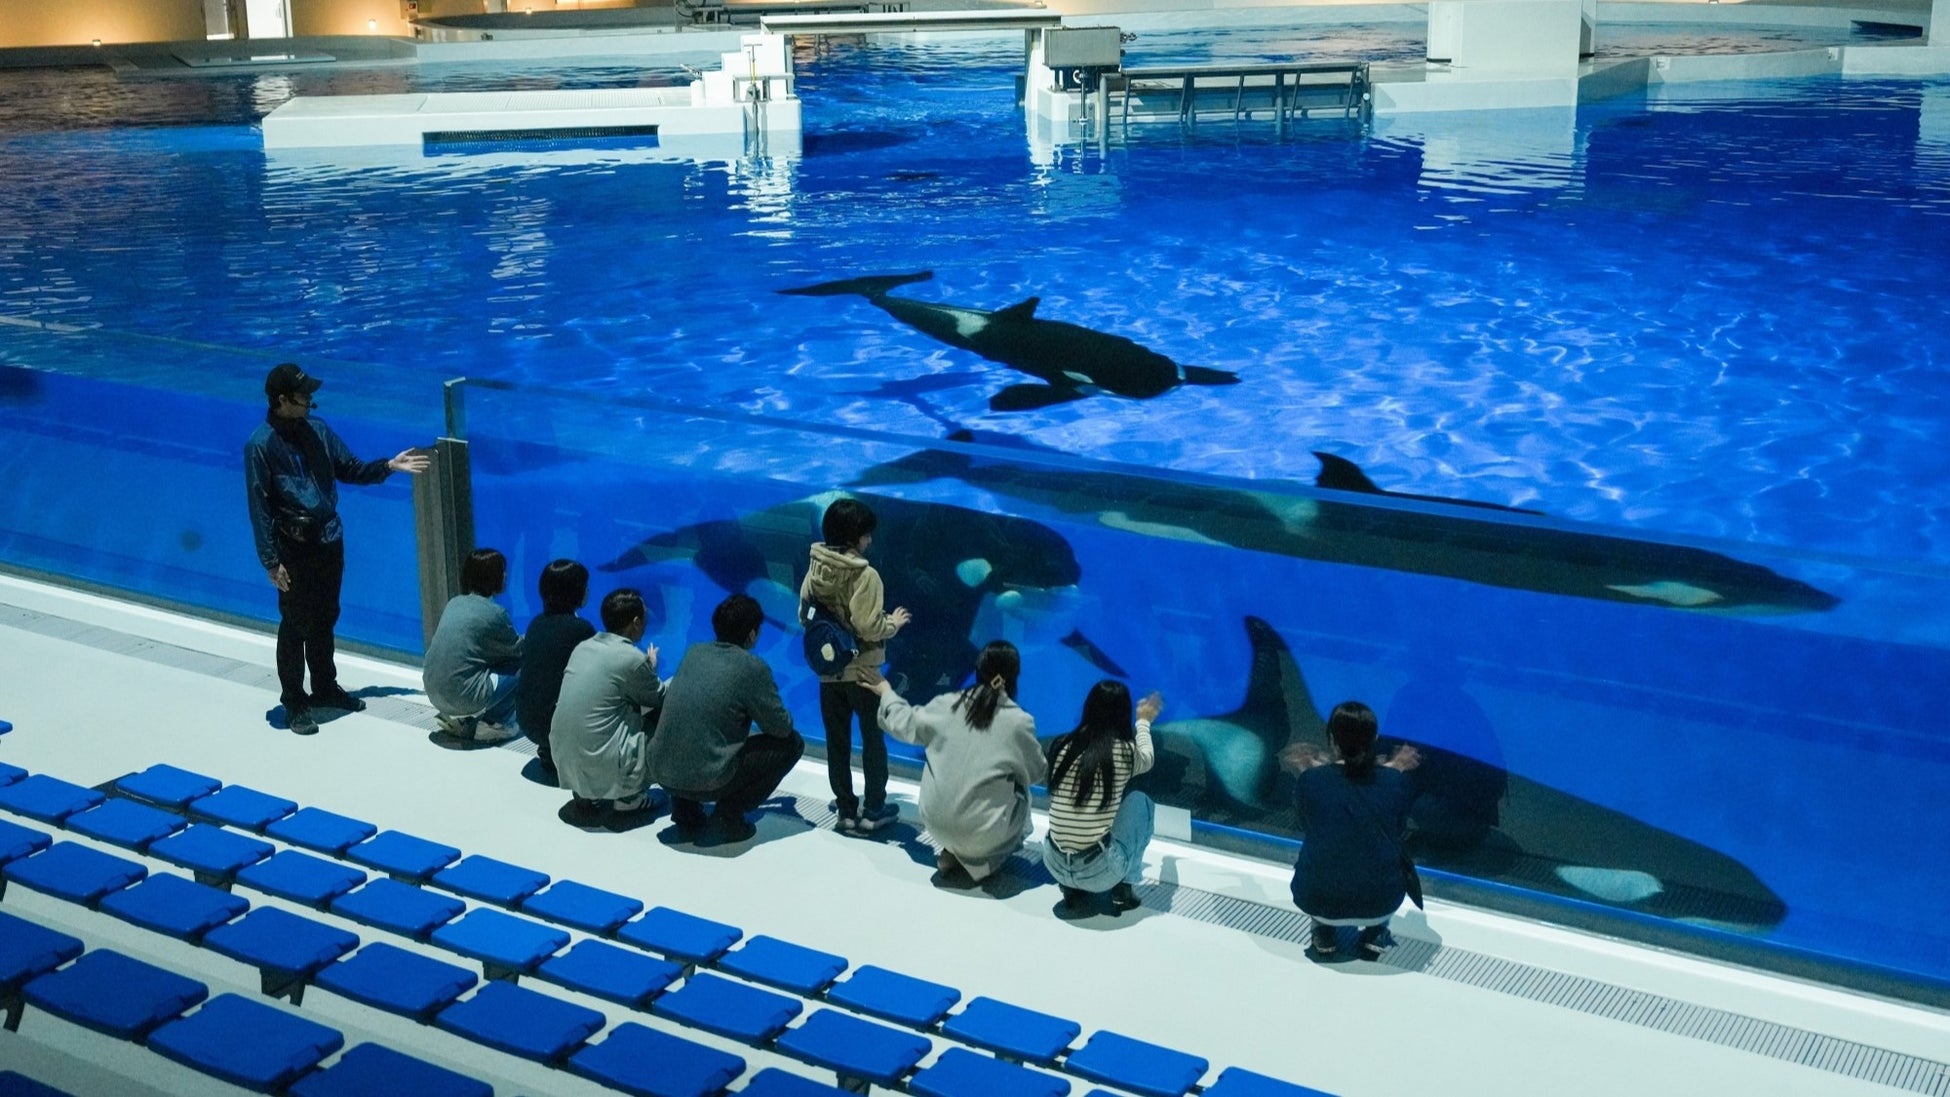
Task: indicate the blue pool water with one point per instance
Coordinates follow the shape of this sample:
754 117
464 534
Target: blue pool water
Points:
1711 315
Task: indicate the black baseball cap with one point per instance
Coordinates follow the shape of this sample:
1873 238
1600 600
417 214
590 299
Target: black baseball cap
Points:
286 379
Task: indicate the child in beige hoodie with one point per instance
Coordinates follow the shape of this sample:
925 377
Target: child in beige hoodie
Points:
841 580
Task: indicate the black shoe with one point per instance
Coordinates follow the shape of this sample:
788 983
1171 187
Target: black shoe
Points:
689 818
337 698
1372 941
1077 900
728 828
301 721
1324 940
1123 897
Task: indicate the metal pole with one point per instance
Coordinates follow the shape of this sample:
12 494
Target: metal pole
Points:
443 525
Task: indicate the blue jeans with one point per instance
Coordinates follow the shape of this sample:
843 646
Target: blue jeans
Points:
501 710
1119 860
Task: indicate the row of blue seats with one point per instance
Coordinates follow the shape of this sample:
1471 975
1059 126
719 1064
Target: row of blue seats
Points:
858 1051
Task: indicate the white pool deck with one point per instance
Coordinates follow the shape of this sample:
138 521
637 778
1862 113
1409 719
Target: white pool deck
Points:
97 688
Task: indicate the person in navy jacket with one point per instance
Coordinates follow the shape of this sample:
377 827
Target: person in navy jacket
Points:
292 466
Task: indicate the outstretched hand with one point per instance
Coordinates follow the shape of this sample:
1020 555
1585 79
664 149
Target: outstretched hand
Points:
1404 758
1301 757
900 617
1149 708
411 461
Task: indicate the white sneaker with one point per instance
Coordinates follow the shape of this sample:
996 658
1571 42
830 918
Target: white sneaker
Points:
485 732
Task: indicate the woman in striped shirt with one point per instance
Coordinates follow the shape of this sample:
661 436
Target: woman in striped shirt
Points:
1098 829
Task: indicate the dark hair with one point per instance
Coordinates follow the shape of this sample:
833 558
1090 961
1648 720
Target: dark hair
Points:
1353 728
736 618
846 521
484 572
621 608
565 586
1091 748
999 660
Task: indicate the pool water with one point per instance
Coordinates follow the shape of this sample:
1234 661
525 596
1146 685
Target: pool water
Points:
1710 313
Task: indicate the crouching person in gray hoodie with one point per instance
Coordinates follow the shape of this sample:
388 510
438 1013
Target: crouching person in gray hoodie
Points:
704 751
599 738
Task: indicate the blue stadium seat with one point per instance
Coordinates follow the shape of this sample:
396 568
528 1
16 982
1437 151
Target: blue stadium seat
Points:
214 854
732 1010
17 841
1234 1082
787 966
28 950
963 1073
403 856
247 1043
858 1052
20 1085
680 936
1012 1031
167 785
73 872
238 806
174 906
583 907
301 878
126 823
892 996
285 948
401 908
374 1070
321 831
10 774
648 1063
490 880
602 970
773 1082
507 946
1135 1065
521 1022
397 981
112 993
48 799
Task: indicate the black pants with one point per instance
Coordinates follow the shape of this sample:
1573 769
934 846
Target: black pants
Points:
839 703
307 613
762 763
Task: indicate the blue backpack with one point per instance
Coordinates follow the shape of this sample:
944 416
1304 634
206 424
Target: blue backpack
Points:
830 645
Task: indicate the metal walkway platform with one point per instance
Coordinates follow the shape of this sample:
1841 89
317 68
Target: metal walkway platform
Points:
1283 94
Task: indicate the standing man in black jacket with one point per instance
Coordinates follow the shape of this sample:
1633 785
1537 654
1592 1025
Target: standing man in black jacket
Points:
292 464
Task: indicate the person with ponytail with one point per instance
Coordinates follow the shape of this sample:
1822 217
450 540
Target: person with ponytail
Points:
982 758
1351 870
1097 827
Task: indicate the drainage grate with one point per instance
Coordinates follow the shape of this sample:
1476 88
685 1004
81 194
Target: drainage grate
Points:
1784 1043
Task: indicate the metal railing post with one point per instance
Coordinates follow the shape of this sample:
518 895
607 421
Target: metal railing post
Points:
443 514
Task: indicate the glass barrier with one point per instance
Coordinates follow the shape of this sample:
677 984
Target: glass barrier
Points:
123 460
1733 743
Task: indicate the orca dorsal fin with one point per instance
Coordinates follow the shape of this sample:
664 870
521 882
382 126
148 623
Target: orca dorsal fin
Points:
1024 309
1341 474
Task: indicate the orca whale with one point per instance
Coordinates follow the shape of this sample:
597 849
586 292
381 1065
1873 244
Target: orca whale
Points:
1451 538
944 563
1072 361
1470 815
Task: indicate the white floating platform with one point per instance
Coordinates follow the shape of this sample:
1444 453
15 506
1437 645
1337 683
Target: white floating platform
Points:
341 121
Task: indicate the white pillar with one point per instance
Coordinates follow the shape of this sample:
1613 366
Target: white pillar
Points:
1498 36
1940 23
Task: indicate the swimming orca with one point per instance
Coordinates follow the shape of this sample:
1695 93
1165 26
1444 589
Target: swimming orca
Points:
1430 535
946 564
1072 361
1471 815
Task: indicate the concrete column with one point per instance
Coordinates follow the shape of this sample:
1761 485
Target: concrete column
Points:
1940 23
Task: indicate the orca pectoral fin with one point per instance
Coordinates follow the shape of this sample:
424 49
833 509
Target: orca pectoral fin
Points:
1199 375
1087 648
1028 397
870 286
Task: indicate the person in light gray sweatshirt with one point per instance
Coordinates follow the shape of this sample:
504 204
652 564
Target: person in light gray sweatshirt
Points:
473 660
704 750
982 758
599 739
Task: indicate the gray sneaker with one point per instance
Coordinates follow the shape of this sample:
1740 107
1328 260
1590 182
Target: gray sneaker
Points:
880 818
460 727
302 722
485 732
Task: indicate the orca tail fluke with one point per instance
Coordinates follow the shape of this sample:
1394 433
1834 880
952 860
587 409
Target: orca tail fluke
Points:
873 285
1200 375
